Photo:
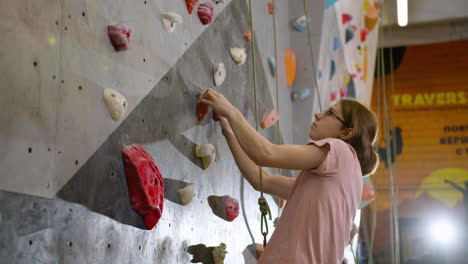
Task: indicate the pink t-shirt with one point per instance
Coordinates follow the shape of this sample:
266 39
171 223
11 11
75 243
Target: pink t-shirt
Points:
318 217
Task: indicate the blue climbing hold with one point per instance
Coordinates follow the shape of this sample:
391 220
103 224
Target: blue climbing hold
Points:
332 69
272 65
300 24
330 3
336 44
320 75
301 95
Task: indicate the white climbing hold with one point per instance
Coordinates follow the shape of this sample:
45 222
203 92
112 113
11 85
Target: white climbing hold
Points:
187 193
170 19
206 152
238 55
219 74
219 254
115 102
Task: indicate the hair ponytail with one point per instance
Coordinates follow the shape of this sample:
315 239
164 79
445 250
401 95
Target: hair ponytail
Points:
364 125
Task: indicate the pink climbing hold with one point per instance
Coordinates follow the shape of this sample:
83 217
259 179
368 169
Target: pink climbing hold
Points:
145 184
205 13
224 207
354 27
119 36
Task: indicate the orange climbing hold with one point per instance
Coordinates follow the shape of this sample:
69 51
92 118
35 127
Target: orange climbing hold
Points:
290 61
371 18
248 35
269 119
190 5
202 110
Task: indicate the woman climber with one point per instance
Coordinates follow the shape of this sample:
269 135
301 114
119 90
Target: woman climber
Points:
323 199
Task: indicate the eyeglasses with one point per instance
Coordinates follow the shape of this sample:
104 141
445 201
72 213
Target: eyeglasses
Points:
330 112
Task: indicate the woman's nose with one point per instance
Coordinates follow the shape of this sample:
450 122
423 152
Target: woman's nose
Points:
318 115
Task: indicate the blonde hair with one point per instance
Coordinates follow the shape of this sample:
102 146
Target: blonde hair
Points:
363 123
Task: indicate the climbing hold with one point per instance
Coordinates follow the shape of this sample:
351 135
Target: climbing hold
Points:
358 67
207 154
290 62
219 254
119 36
371 17
319 75
219 73
345 18
353 75
190 5
218 1
346 79
366 5
272 65
366 63
238 55
332 97
360 50
170 19
301 95
350 89
349 34
332 69
300 24
225 207
145 184
202 110
115 102
187 193
248 35
364 34
336 44
342 92
205 13
354 27
271 8
269 119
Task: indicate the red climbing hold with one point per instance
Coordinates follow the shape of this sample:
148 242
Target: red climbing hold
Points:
332 97
224 207
342 92
145 184
190 5
202 110
205 13
346 18
119 36
364 34
271 8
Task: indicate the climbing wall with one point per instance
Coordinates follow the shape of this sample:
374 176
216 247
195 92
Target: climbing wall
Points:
64 195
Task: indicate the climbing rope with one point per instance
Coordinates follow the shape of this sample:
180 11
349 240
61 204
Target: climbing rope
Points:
312 56
264 208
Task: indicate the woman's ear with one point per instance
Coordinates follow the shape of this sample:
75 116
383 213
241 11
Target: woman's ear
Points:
346 134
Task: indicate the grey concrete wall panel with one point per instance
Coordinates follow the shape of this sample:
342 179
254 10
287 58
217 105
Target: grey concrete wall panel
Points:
91 221
302 117
56 59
